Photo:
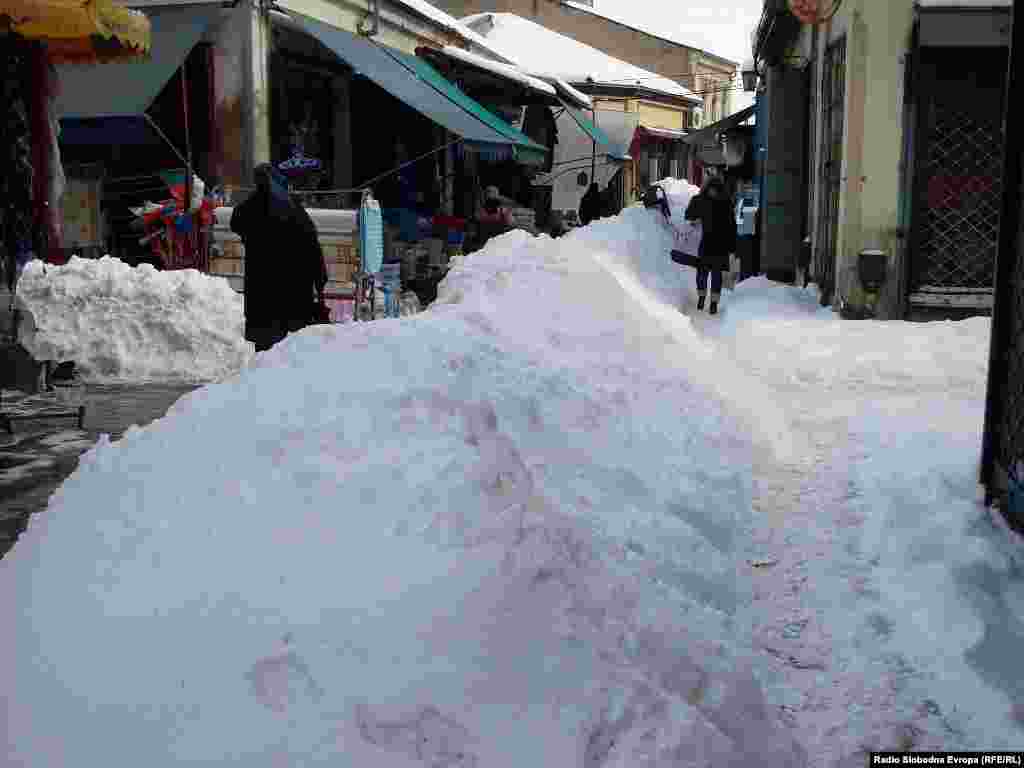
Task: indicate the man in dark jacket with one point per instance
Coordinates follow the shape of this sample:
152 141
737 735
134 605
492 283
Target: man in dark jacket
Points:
590 205
713 209
284 263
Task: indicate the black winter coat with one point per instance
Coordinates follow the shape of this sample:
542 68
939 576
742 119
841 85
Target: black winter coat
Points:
719 230
284 263
590 205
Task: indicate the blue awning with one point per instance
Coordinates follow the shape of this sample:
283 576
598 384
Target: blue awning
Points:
404 83
104 131
129 88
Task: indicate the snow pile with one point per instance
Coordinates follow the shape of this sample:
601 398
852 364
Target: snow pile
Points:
499 533
782 333
550 521
911 616
119 323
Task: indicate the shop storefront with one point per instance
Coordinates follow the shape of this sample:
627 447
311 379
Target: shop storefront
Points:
348 114
133 130
39 42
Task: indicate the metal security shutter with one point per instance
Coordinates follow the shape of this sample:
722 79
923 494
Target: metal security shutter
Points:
956 224
833 102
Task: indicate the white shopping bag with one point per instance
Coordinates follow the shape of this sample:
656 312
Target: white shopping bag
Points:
731 277
687 238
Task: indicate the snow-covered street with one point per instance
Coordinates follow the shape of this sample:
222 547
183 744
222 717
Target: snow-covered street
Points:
554 520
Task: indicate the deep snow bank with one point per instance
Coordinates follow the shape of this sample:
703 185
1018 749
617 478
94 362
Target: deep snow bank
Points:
917 610
119 323
499 533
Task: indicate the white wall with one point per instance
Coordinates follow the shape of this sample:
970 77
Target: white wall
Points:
574 145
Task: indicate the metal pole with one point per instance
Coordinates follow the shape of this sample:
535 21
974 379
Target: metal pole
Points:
188 139
1006 257
593 155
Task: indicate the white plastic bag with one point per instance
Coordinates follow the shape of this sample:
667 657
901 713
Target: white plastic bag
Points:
730 278
687 238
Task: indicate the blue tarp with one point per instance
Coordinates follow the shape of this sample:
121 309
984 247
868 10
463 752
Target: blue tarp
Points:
103 131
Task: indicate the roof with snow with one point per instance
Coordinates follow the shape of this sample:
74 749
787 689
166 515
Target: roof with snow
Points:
567 58
481 45
964 3
608 17
449 22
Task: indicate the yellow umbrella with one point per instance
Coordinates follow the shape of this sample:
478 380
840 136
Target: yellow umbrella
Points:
80 30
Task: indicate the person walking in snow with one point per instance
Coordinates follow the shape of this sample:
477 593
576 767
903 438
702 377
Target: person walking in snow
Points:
284 263
590 205
712 208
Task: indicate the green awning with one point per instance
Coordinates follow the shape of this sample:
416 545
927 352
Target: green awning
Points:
527 150
586 125
421 87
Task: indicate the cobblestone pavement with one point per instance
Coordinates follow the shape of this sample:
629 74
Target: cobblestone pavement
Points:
37 458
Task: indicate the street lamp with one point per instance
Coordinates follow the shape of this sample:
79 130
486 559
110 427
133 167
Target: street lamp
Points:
749 74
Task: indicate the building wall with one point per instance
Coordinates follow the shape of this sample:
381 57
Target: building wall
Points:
660 116
690 67
877 39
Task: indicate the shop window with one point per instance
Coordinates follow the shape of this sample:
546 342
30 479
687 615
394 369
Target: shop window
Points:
302 123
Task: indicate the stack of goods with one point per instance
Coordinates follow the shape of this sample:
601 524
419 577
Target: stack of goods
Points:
436 253
456 240
525 218
389 287
452 232
180 238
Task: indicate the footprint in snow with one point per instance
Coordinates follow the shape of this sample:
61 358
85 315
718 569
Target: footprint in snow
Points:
434 739
279 681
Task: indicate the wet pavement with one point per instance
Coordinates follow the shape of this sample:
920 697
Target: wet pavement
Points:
41 454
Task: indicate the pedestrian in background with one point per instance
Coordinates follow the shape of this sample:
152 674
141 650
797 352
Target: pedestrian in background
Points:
590 205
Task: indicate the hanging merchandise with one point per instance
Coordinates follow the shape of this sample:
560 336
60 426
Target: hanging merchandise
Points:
371 257
371 235
180 239
45 160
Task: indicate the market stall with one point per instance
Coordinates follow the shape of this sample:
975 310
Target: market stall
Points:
35 36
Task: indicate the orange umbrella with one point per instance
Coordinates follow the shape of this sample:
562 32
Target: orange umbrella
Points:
80 31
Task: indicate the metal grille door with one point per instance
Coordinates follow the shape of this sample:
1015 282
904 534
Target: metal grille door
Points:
959 192
961 217
833 101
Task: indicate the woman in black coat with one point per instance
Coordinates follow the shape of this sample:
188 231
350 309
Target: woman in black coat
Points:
713 209
284 263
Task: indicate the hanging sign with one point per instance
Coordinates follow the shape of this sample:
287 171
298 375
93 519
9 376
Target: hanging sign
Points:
298 164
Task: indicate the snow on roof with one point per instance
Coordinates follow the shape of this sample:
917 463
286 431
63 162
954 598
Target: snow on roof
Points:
571 94
964 3
504 70
481 45
622 23
439 17
564 57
